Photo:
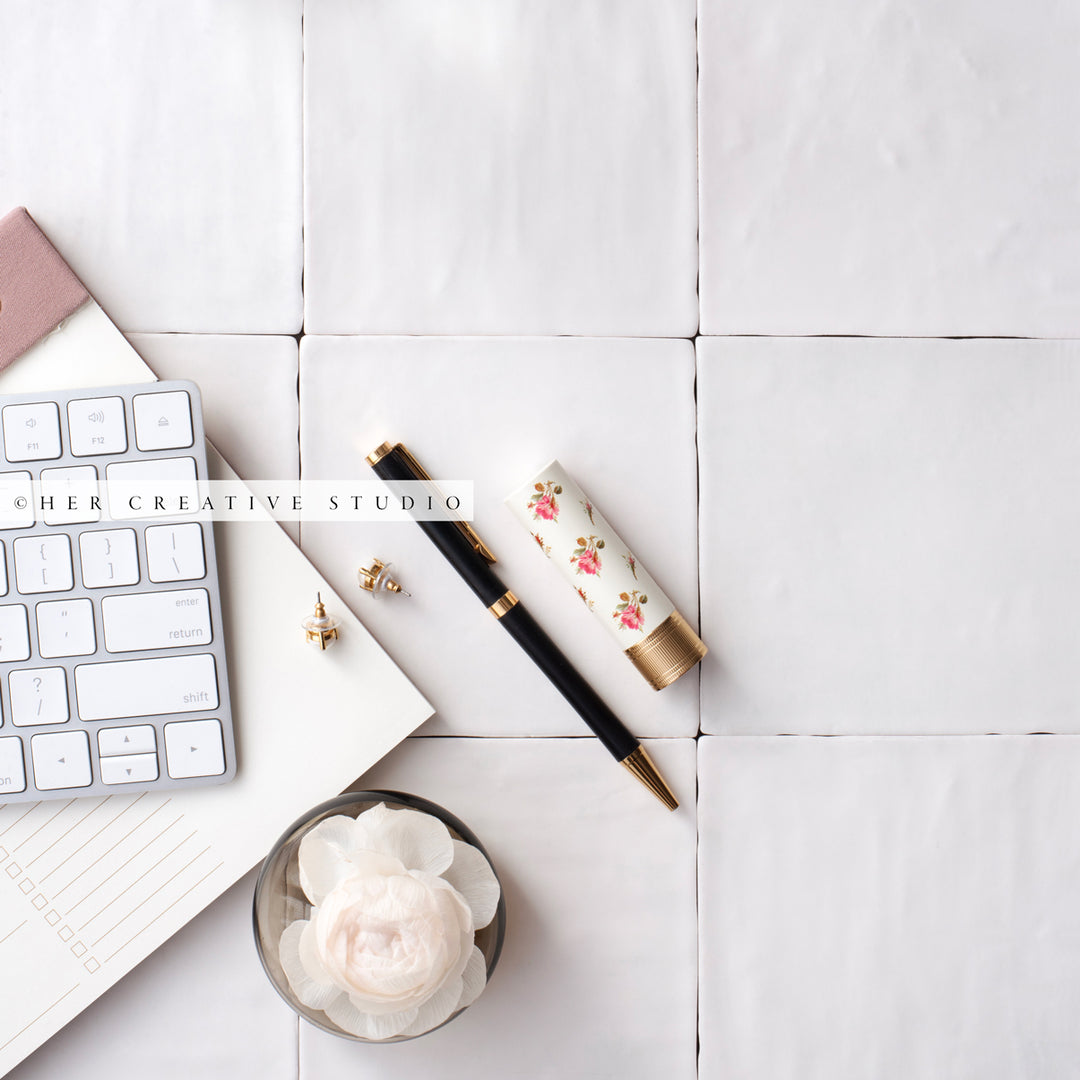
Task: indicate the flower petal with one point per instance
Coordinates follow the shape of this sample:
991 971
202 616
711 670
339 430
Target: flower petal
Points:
322 863
420 841
474 977
305 981
439 1007
471 874
338 829
348 1017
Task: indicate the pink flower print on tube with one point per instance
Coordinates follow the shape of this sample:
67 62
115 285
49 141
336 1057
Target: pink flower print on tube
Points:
628 612
543 505
580 542
586 556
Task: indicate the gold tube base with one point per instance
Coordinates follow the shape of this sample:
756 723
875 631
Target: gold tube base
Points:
641 765
669 652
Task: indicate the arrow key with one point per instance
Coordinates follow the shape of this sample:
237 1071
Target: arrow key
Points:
61 760
194 748
123 741
135 769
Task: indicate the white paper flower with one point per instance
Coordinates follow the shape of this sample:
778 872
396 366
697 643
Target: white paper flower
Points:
389 949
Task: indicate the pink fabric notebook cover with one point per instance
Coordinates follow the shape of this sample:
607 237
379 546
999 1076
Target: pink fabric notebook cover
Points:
32 305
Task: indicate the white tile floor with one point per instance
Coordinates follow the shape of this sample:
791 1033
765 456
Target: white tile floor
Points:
500 167
884 533
158 147
597 977
888 907
887 532
893 168
452 402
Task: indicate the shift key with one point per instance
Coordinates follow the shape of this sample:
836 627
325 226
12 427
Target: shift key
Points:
170 684
157 620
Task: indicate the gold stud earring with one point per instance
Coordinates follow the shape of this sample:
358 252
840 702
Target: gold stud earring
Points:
377 579
321 627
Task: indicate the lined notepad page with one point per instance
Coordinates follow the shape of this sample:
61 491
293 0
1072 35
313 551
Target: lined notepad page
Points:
89 887
86 880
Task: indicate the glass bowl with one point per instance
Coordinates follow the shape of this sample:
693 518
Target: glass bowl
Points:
279 900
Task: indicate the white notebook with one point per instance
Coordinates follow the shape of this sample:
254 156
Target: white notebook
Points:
89 887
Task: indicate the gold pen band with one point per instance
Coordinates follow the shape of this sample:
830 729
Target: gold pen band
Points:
503 604
379 453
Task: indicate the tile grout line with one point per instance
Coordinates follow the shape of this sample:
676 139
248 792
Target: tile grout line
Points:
303 286
303 325
697 536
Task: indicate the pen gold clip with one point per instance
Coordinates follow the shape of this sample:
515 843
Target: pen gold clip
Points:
417 469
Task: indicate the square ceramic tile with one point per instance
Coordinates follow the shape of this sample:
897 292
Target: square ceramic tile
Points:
250 402
248 386
895 908
199 1006
500 167
889 532
897 168
618 414
597 975
159 147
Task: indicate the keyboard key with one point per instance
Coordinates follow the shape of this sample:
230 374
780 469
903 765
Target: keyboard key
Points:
70 496
175 552
65 628
137 769
14 634
194 748
12 773
157 487
171 684
3 572
38 696
162 421
108 558
43 564
32 432
16 500
166 620
96 426
61 760
119 741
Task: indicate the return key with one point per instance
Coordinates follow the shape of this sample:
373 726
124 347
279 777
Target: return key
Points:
169 620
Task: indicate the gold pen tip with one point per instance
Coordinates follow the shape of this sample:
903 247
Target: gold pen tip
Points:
379 453
641 765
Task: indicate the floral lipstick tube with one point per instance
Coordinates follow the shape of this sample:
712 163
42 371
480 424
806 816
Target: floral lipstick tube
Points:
602 570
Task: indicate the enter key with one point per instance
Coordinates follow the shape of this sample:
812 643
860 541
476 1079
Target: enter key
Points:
167 620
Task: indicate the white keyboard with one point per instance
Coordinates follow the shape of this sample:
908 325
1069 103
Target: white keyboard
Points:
112 657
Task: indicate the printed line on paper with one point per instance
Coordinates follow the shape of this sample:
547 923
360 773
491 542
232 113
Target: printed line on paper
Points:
116 870
139 878
15 931
44 824
164 910
27 1027
146 899
69 829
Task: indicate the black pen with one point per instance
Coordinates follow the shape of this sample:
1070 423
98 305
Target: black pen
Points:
469 556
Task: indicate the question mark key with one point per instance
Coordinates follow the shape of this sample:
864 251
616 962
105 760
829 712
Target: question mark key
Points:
38 696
